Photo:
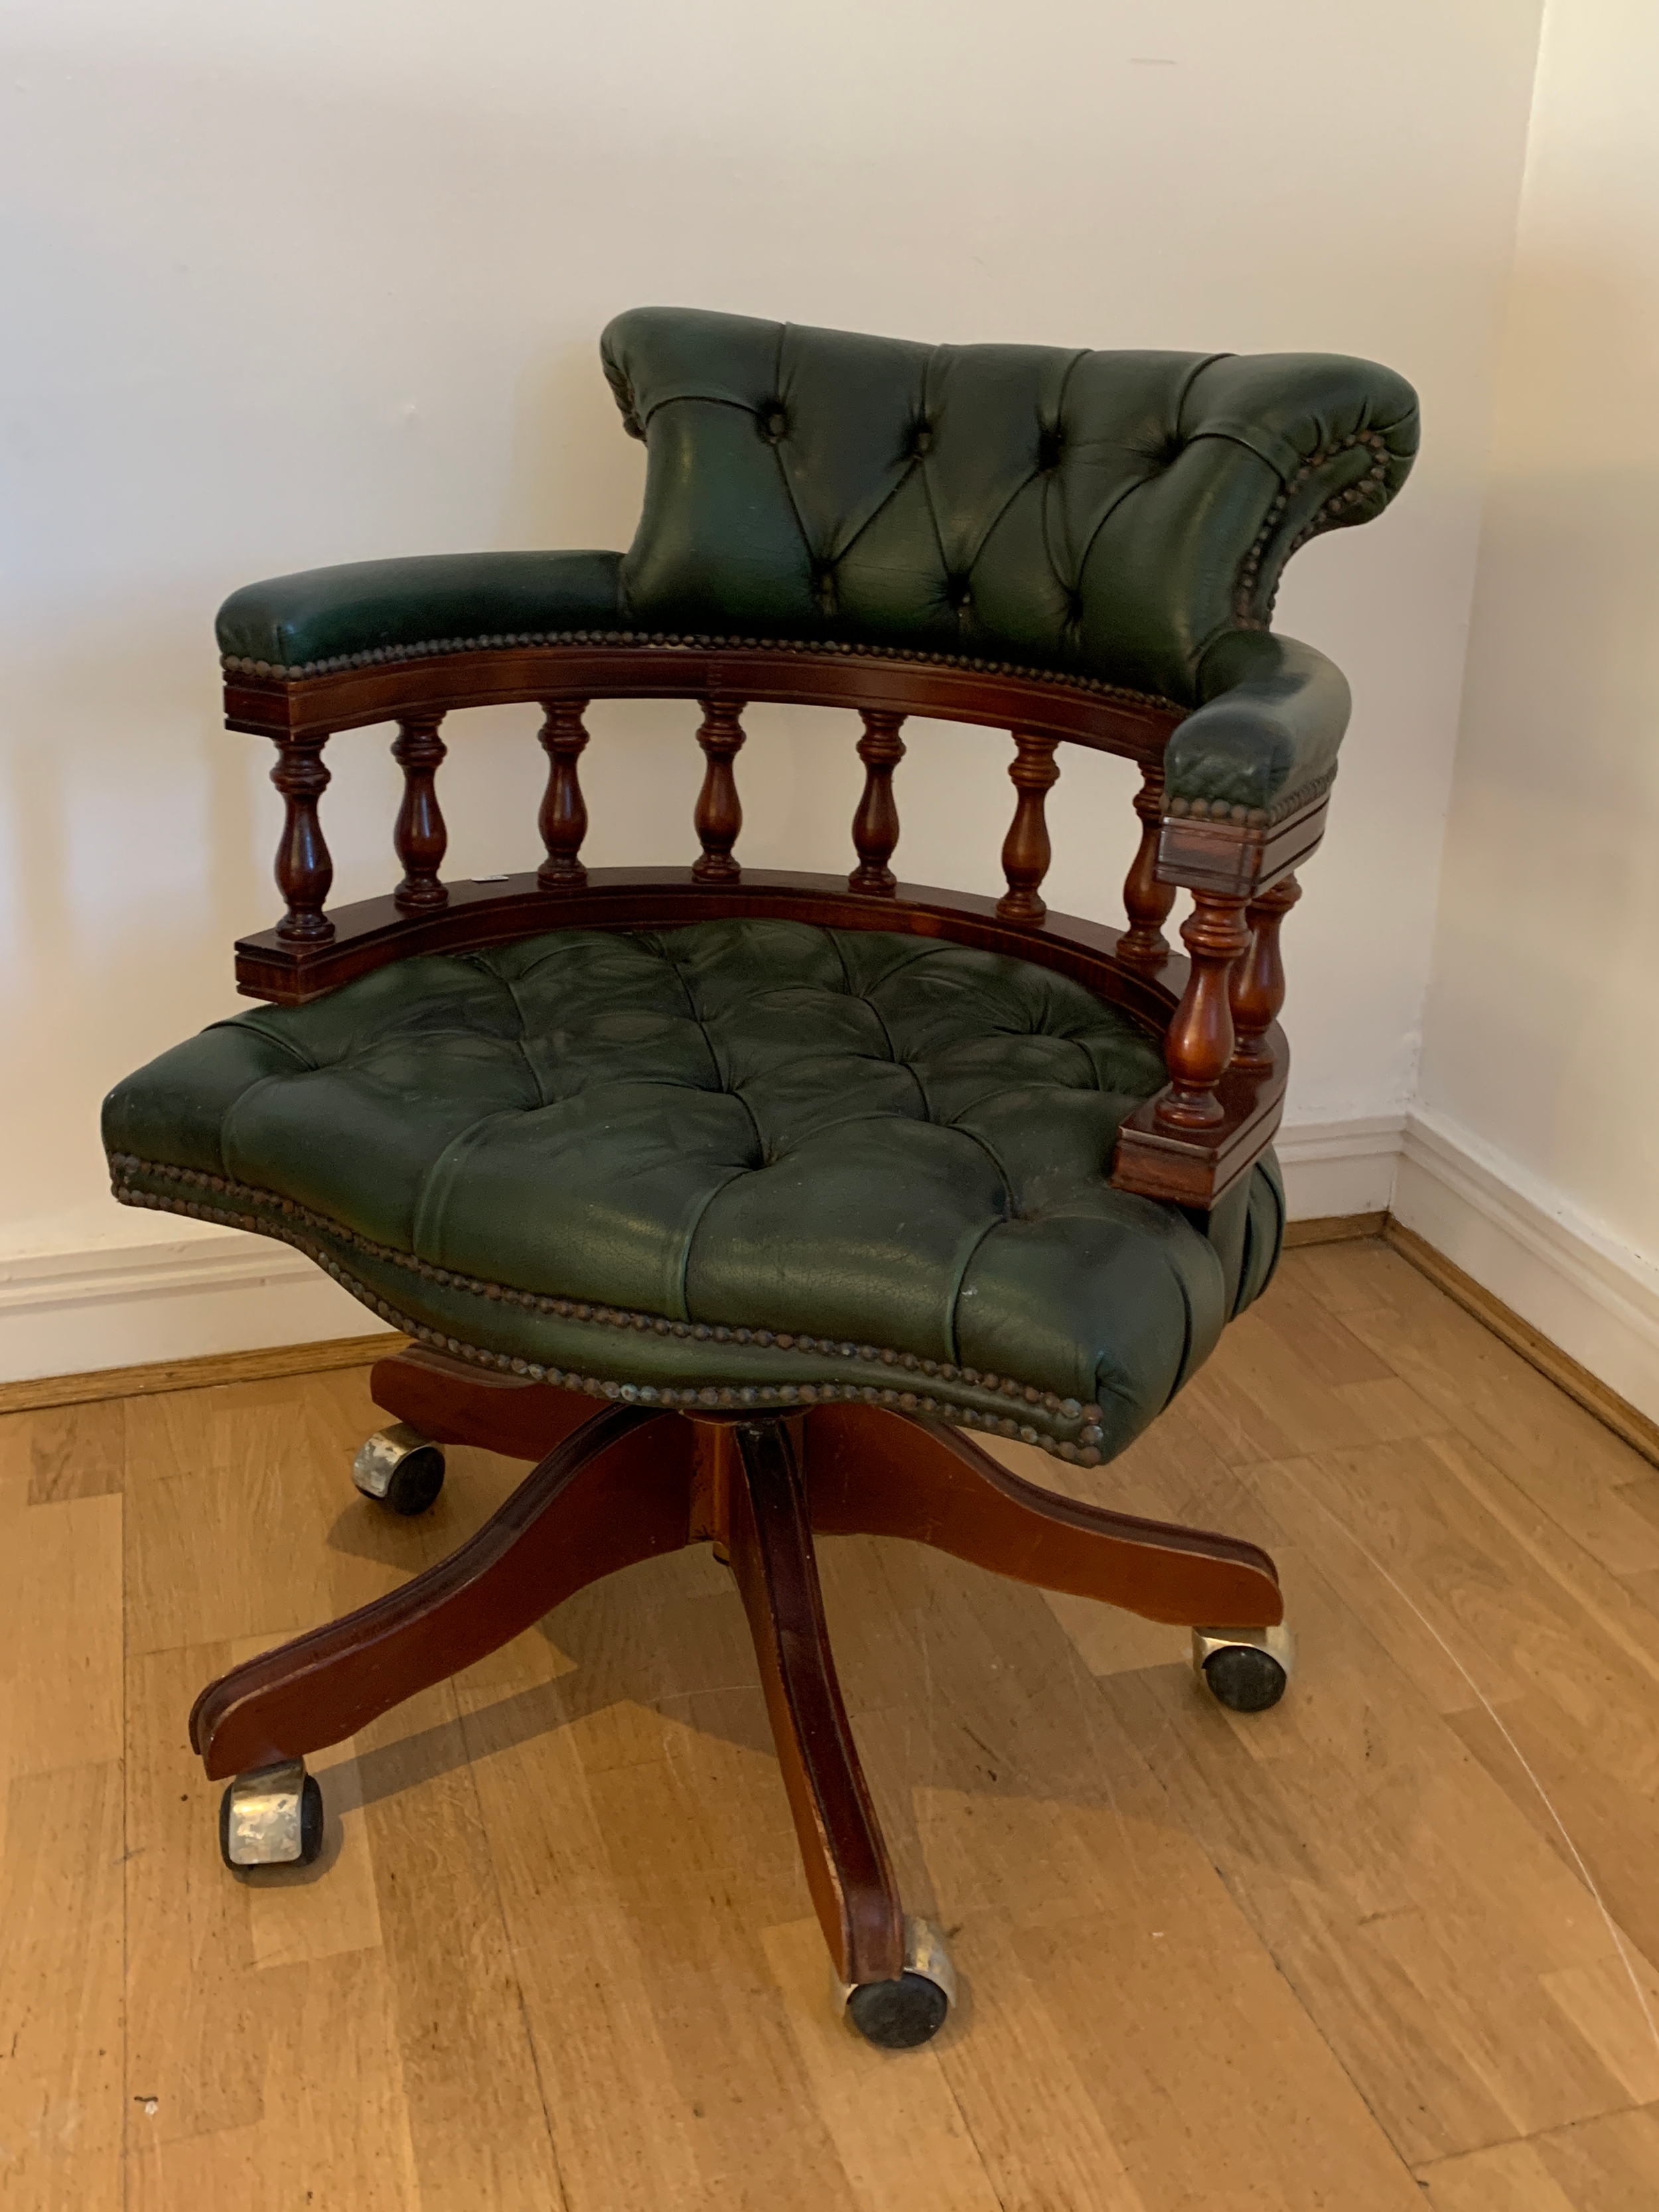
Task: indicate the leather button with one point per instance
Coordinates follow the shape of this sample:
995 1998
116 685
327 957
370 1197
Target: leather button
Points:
1050 445
773 423
959 591
921 439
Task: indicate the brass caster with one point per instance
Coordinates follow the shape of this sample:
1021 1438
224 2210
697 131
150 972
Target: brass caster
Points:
271 1817
900 2015
1246 1669
401 1468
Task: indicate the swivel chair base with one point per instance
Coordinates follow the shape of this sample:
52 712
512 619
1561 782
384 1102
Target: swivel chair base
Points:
617 1483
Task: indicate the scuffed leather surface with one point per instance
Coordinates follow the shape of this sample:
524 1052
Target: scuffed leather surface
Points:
1106 514
1273 714
379 606
868 1137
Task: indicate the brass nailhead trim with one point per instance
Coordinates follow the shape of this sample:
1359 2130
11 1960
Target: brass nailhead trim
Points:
1249 572
235 664
1084 1452
1219 810
431 648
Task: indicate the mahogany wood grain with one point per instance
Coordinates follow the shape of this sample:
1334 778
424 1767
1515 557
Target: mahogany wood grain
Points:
1187 1148
614 1491
1108 721
1237 858
718 815
873 1472
501 910
716 1471
1196 1167
1147 898
1191 1167
563 818
305 869
1026 851
623 1484
848 1873
1199 1048
876 823
420 838
1258 987
454 1403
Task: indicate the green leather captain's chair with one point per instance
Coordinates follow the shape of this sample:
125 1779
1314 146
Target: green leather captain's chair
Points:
739 1201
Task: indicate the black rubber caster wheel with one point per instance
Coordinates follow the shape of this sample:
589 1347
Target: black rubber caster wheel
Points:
311 1829
1244 1679
415 1482
400 1469
899 2016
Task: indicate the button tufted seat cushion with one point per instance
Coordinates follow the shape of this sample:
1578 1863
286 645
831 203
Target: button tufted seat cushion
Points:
749 1160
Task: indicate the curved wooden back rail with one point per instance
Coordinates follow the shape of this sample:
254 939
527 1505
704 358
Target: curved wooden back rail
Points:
1216 1012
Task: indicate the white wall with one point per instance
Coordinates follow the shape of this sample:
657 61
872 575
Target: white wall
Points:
1541 1057
316 281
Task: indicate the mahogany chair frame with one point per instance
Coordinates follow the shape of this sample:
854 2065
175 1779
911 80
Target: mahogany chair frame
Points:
615 1483
1189 1145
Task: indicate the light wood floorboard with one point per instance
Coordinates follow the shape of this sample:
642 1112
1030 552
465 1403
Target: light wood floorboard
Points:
1393 1944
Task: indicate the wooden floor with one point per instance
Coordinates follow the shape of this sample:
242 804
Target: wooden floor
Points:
1393 1944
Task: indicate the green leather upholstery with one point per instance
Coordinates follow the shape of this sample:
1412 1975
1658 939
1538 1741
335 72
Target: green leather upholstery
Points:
1112 513
379 609
749 1160
752 1163
1273 717
1120 517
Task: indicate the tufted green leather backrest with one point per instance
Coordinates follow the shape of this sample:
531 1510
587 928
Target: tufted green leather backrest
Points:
1111 513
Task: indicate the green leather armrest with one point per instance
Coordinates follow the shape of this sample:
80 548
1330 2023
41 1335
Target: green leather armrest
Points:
324 618
1272 714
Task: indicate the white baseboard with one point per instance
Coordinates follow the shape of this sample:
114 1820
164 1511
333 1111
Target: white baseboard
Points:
1550 1263
70 1313
1340 1168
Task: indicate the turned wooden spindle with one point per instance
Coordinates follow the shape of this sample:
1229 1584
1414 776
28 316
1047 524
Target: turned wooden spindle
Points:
563 818
1025 850
1258 984
718 815
1199 1048
876 824
1145 900
304 867
420 838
